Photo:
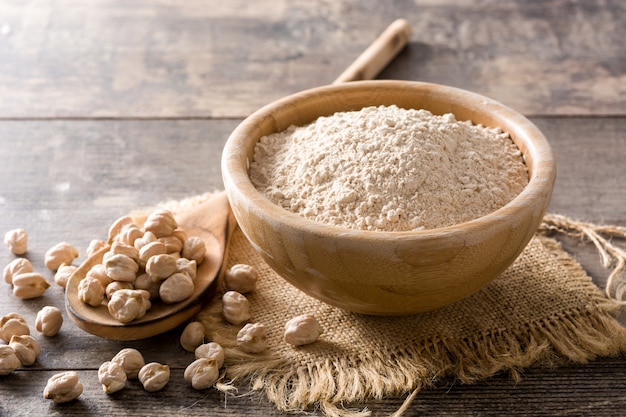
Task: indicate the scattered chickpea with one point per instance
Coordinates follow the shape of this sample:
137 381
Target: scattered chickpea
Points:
154 376
59 254
235 307
91 291
176 288
302 330
26 348
194 249
13 324
29 285
129 305
131 361
211 350
252 338
63 274
63 387
241 278
160 222
112 377
9 361
49 321
202 373
16 267
17 241
192 336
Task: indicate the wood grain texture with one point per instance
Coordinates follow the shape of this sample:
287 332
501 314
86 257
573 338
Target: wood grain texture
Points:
118 58
124 65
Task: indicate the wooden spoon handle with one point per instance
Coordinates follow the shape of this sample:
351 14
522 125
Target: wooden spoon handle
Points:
379 53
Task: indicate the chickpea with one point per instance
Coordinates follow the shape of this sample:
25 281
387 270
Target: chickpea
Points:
116 286
99 272
129 305
59 254
16 267
13 324
235 307
49 321
302 330
160 267
29 285
112 377
63 274
160 222
17 241
131 361
143 282
121 267
194 249
94 246
192 336
154 376
63 387
211 350
187 266
9 361
91 291
241 278
252 338
177 287
26 348
118 225
202 373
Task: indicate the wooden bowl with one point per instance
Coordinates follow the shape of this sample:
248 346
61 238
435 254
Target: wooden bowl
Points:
387 273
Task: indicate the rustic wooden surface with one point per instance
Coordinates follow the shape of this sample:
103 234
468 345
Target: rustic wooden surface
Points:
109 106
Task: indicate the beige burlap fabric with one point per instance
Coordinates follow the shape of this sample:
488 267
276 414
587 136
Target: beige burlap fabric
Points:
544 309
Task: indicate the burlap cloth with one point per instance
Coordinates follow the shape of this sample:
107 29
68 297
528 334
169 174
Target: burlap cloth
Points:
542 311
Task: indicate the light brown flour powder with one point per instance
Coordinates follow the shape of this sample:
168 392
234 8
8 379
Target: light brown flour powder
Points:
389 169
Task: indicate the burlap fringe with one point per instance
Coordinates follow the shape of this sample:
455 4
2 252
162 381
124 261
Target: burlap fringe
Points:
336 383
612 256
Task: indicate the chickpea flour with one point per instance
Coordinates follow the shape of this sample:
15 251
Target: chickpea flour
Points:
389 169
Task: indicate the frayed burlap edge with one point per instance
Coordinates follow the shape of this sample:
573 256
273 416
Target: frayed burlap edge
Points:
576 336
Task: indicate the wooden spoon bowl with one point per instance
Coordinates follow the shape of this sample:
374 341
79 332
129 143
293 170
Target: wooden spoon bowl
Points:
213 222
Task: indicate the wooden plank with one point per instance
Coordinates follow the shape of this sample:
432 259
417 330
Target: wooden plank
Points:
119 58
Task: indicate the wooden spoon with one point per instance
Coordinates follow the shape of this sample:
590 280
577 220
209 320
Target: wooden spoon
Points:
214 223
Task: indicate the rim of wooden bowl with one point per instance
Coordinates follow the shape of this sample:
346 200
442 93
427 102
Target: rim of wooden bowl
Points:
300 108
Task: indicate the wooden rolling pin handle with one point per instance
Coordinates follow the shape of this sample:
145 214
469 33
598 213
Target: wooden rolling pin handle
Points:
379 53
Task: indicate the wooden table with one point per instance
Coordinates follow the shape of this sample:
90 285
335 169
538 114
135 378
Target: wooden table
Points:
111 105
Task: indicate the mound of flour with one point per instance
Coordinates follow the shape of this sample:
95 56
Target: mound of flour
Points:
389 169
